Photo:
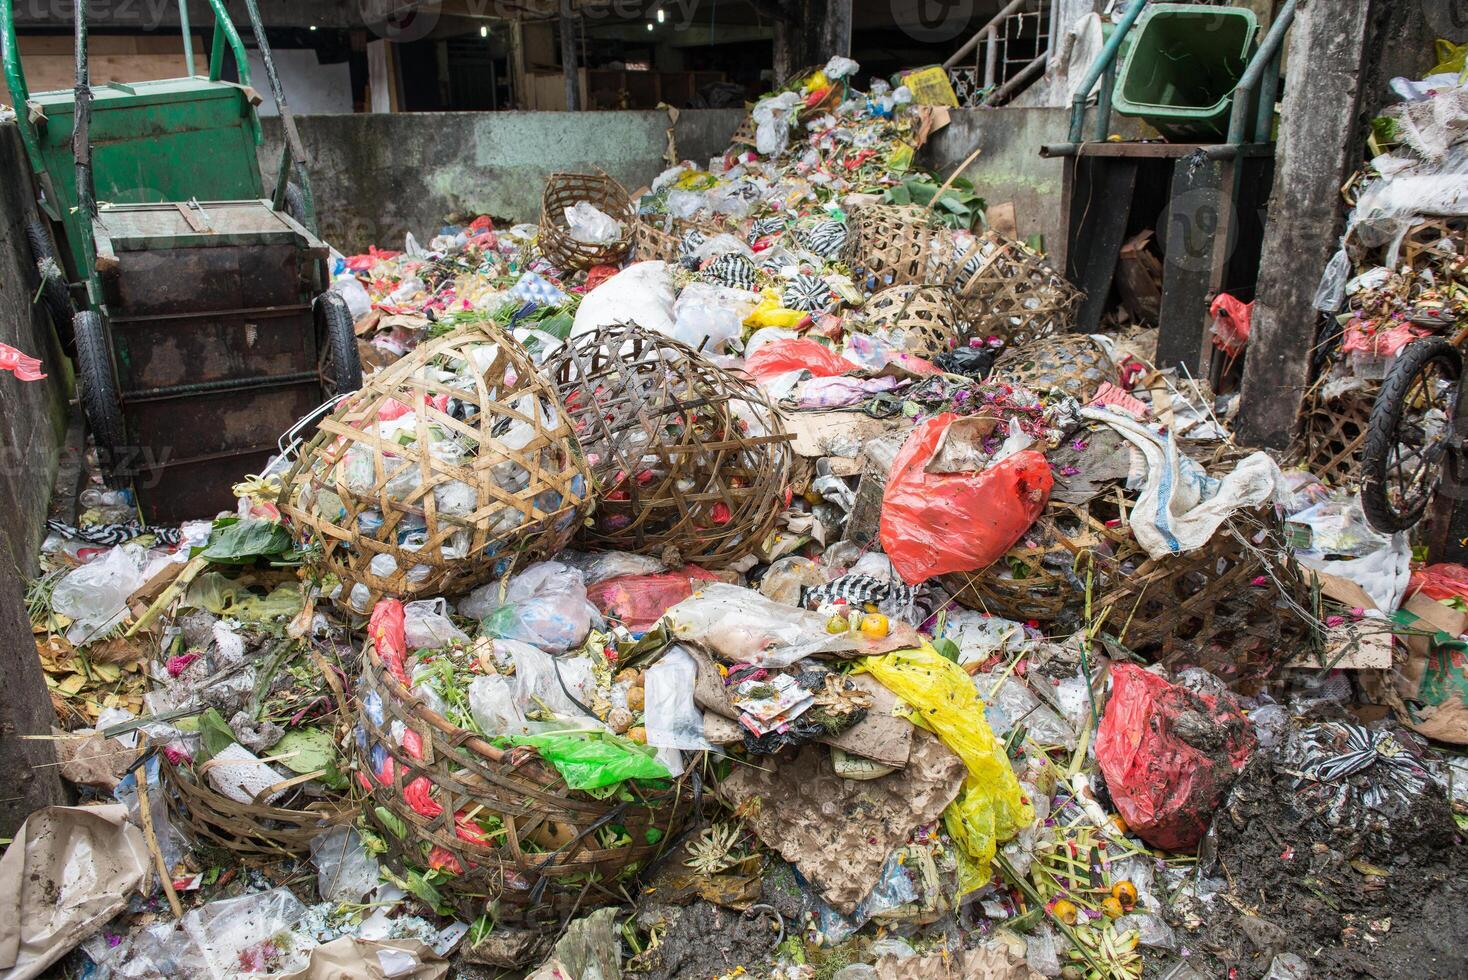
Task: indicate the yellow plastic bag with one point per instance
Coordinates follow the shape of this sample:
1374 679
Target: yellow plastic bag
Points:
1451 58
991 808
930 86
769 313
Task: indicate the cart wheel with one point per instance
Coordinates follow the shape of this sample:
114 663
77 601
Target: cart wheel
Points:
295 206
54 294
341 368
100 403
1410 434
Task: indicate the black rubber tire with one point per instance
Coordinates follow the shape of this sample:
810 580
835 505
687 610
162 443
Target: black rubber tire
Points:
295 206
1382 431
98 388
55 295
341 344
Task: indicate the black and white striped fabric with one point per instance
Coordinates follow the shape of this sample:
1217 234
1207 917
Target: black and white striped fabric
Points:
824 238
1348 767
889 596
692 239
765 227
111 535
729 269
807 292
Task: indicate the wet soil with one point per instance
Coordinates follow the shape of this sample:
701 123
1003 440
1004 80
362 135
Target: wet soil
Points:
1335 896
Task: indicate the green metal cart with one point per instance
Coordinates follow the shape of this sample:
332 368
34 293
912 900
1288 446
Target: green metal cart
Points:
197 307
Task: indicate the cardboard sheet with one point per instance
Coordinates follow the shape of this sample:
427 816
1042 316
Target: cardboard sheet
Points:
366 959
838 832
69 870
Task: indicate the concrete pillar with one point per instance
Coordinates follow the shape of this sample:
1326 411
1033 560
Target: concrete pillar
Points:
1335 49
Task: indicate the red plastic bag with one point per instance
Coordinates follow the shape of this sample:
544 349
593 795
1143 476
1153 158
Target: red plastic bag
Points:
1443 581
936 523
1231 321
1169 755
638 601
388 631
782 356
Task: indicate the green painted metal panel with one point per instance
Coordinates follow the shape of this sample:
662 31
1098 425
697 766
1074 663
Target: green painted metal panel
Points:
173 140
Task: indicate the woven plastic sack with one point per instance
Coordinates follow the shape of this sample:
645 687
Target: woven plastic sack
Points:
1164 784
934 523
991 808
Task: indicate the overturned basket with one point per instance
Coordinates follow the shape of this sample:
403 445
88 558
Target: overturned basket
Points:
546 863
893 245
257 831
1206 607
691 462
923 315
1333 435
492 478
564 190
1009 290
1073 364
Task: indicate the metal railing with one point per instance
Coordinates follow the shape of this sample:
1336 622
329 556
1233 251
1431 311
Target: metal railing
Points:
998 83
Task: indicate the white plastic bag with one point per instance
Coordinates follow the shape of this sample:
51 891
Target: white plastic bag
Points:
427 626
492 703
673 720
544 605
773 117
344 870
94 596
589 224
642 293
555 683
709 317
742 626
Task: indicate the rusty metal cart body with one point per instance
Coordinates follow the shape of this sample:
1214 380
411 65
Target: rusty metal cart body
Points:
198 309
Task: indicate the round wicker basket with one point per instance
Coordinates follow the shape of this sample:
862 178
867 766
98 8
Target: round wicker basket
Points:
690 462
1070 363
892 245
1009 290
546 862
490 475
924 315
564 190
259 831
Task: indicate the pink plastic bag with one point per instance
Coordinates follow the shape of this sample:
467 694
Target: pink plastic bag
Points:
638 601
783 356
936 523
1169 755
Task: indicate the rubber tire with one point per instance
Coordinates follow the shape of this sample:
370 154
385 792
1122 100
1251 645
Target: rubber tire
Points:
1381 431
341 340
55 295
98 388
295 206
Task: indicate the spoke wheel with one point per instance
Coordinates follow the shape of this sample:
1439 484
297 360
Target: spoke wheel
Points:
1410 435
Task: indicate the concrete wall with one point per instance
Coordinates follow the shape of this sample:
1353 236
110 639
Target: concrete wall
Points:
1010 168
377 177
32 413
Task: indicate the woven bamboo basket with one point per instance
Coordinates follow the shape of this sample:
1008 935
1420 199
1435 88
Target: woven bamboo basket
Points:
1196 608
1071 363
691 463
500 482
925 315
893 245
1009 290
257 831
650 242
744 133
1334 434
563 190
546 863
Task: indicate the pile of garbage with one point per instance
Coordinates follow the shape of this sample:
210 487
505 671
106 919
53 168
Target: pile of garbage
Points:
1034 670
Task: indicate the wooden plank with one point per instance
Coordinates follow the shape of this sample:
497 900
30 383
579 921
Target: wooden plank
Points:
1100 204
1198 211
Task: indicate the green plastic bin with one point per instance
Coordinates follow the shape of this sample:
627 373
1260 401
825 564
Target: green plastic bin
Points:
1182 66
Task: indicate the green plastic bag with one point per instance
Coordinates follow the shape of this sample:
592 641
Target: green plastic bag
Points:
594 760
940 696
